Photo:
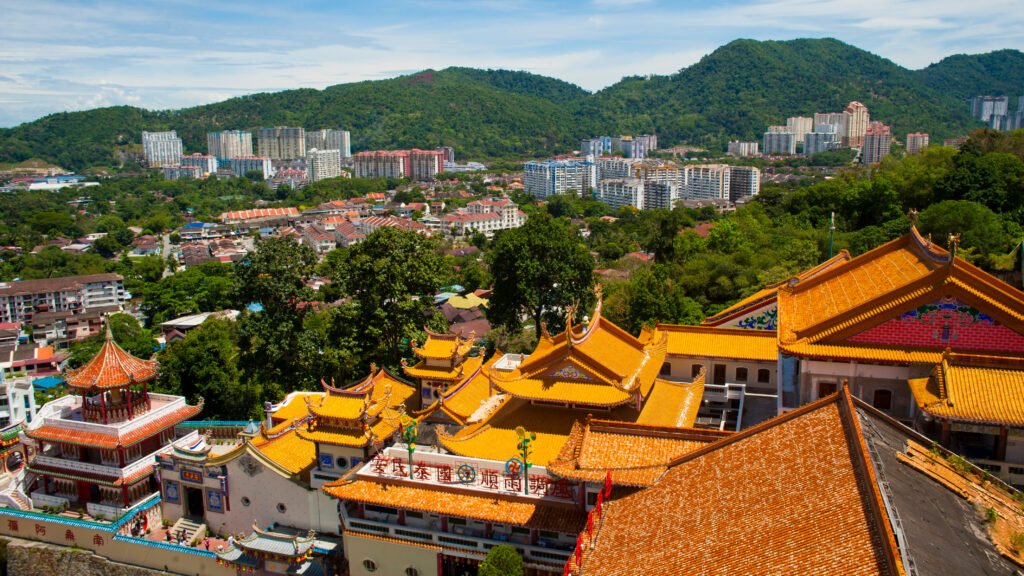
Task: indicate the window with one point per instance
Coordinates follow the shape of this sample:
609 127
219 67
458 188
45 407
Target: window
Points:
457 521
518 530
764 376
666 369
411 514
548 535
281 508
380 509
246 501
410 571
882 399
591 498
370 565
695 370
741 374
826 388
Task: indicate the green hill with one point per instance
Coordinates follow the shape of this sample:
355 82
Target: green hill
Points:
734 92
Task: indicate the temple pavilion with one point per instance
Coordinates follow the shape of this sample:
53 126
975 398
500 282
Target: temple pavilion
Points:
97 446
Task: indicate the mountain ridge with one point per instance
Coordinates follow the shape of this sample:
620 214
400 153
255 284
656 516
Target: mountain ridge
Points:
733 92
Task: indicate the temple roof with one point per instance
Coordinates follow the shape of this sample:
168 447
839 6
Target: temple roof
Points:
440 346
247 550
460 370
768 500
111 367
54 433
974 390
464 398
673 403
498 508
288 450
382 397
634 454
714 342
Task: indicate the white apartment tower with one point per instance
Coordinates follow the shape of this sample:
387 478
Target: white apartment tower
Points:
779 143
321 164
707 181
916 142
551 177
161 148
622 192
330 139
799 125
744 149
229 144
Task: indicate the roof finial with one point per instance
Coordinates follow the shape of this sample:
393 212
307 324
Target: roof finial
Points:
912 214
954 244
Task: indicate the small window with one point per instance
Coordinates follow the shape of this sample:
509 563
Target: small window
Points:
518 530
666 369
695 370
411 514
764 376
591 498
281 508
341 462
457 521
246 501
826 389
882 399
548 535
741 374
369 565
410 571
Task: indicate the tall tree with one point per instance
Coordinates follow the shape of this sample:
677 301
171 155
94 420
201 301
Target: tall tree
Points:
392 277
539 269
128 334
502 560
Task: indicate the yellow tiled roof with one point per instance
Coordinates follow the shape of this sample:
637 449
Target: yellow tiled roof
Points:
806 349
672 404
295 408
443 346
383 428
384 391
422 371
464 398
495 508
713 342
596 394
495 438
288 450
992 395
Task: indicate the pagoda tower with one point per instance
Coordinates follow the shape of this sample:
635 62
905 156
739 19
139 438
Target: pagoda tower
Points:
96 447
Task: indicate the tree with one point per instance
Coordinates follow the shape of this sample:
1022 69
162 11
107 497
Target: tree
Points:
205 288
979 228
205 363
539 269
502 560
392 277
128 334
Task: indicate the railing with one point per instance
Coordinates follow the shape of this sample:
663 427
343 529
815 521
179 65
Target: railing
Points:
41 499
113 471
59 416
94 410
470 542
105 511
16 499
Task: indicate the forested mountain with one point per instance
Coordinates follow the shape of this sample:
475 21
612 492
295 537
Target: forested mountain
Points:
734 92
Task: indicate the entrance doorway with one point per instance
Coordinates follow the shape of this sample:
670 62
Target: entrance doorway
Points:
194 502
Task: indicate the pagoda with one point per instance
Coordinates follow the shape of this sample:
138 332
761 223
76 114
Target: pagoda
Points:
97 445
445 362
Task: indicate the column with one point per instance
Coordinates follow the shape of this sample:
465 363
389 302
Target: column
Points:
1001 443
124 493
944 435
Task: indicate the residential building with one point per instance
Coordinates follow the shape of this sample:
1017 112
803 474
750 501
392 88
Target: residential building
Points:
876 143
242 165
917 142
161 148
823 139
614 167
451 167
282 142
293 177
414 164
259 216
744 149
591 147
319 239
182 172
778 130
425 164
96 447
330 139
984 107
322 164
779 143
836 119
744 181
799 125
17 400
657 171
448 153
707 181
508 211
855 124
207 163
660 194
620 193
229 144
550 177
20 301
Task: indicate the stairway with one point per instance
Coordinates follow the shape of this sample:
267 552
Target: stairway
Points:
20 500
190 527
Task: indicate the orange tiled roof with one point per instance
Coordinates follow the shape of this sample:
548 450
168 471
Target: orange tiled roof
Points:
111 367
50 433
464 398
673 403
713 342
422 371
792 484
495 438
294 409
443 346
496 508
981 394
287 450
635 455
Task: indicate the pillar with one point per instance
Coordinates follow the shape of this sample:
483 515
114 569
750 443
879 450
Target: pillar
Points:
103 407
128 395
1001 443
401 517
945 434
124 493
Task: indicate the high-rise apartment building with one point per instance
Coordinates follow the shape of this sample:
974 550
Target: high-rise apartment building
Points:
243 165
916 142
657 171
622 192
707 181
414 164
799 125
660 194
550 177
19 301
447 153
591 147
207 163
229 144
744 149
856 120
984 107
330 139
282 142
779 143
614 167
321 164
778 129
744 181
425 164
182 172
823 139
161 148
877 139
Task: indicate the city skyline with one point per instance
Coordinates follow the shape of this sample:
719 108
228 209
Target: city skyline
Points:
185 54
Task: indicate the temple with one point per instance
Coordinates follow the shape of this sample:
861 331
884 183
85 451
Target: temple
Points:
280 551
96 447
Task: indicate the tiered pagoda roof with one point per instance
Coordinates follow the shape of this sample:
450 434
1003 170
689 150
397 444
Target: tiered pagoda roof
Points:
248 551
973 389
443 357
110 368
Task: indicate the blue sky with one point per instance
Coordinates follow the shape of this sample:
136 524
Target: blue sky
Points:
75 55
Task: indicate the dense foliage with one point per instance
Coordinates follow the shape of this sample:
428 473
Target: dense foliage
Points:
736 91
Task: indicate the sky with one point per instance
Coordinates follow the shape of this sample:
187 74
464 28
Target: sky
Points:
76 55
